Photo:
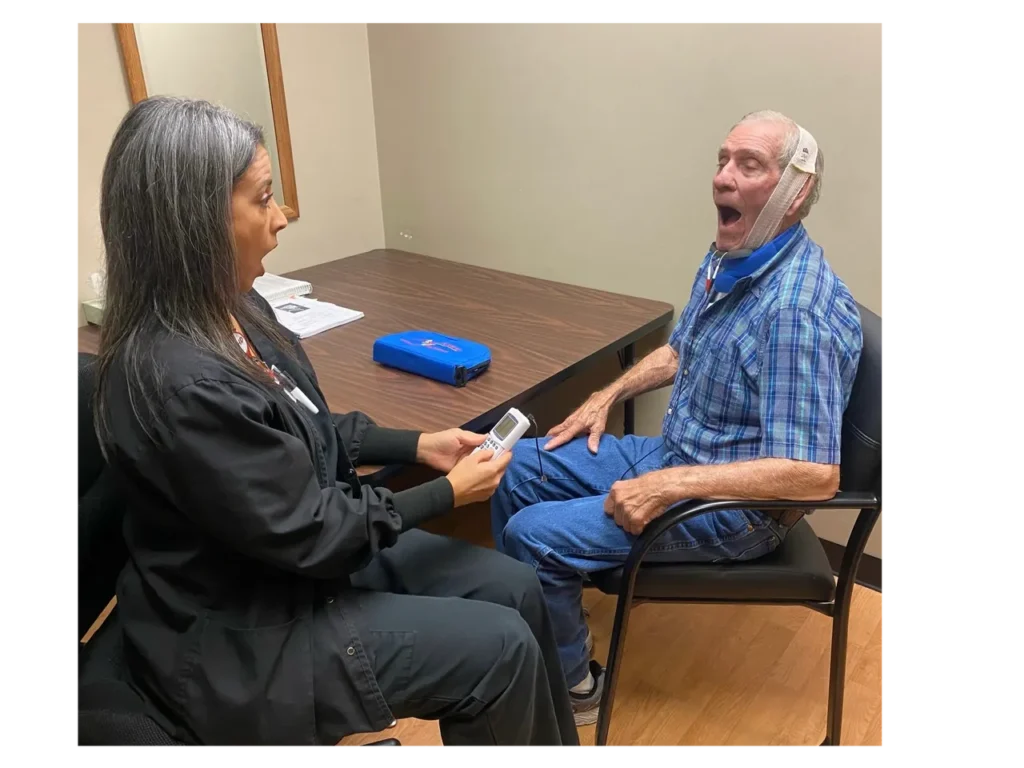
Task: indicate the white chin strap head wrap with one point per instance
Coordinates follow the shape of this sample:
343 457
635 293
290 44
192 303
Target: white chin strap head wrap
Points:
790 183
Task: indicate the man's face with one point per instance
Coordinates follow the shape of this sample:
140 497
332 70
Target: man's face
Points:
748 171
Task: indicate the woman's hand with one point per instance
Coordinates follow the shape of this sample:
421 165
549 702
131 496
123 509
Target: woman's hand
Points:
477 476
443 450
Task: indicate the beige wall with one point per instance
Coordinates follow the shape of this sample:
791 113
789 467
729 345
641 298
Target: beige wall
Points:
330 110
585 153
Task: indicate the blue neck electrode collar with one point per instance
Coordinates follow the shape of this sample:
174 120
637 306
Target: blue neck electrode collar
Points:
742 263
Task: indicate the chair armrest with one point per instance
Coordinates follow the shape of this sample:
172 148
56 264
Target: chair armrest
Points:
677 514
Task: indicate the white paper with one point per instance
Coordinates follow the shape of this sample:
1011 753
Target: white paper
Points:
273 288
308 317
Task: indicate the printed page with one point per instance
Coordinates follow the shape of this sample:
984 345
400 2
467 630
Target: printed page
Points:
308 317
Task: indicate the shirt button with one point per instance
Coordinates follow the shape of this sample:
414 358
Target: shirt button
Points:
686 371
350 651
669 411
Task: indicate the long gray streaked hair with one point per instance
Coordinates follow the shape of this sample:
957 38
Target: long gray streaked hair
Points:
788 149
165 211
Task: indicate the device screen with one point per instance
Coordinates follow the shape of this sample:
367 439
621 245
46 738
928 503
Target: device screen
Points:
505 426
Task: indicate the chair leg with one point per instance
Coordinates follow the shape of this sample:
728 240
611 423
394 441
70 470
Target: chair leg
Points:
841 622
837 669
604 716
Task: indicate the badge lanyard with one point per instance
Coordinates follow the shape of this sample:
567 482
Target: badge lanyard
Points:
280 378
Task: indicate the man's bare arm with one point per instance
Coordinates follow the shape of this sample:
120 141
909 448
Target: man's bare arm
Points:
654 371
634 503
760 479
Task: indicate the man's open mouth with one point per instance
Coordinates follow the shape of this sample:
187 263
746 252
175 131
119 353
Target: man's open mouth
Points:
728 215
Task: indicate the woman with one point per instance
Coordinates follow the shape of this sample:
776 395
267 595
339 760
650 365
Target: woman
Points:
268 597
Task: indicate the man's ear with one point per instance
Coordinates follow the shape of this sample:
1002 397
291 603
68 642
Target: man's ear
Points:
799 199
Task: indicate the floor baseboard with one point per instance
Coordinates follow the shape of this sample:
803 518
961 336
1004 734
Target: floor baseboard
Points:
872 571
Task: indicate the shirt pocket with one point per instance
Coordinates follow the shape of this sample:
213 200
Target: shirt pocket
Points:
724 388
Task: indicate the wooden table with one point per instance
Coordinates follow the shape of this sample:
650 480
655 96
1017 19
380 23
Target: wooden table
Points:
539 333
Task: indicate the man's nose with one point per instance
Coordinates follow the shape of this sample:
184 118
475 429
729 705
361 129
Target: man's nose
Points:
724 180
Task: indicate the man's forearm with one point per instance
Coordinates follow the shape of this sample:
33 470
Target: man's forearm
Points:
654 371
761 479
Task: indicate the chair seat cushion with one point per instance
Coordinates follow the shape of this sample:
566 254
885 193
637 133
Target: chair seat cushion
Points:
797 570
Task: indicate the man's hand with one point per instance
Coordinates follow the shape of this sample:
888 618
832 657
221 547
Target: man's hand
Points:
634 503
443 450
590 418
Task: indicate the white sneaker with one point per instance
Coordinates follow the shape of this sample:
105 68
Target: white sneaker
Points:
586 706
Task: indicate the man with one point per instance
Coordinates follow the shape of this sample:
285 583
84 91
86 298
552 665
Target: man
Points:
763 359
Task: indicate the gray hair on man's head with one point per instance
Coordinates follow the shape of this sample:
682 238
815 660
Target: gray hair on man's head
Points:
788 149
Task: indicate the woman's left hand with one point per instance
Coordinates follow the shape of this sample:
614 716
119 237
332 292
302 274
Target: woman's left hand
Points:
443 450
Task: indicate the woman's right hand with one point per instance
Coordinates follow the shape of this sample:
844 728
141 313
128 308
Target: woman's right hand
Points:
476 477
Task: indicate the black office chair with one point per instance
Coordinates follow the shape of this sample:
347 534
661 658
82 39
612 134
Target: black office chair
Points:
110 710
797 572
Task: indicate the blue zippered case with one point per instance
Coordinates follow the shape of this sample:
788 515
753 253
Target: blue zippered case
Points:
433 355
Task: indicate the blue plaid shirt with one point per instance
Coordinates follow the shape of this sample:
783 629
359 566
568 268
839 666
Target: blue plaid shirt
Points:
766 370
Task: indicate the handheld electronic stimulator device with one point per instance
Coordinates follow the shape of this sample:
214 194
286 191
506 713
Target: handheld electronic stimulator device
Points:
505 434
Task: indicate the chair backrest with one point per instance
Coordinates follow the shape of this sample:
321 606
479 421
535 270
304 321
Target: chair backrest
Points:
90 459
101 549
861 462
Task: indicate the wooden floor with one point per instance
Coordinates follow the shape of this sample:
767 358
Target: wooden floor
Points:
715 674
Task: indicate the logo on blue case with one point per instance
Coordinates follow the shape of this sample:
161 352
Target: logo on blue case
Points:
442 345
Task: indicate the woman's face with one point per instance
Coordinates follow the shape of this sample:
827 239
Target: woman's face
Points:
256 219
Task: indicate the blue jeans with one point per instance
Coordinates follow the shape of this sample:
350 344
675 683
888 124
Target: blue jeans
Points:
560 528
